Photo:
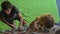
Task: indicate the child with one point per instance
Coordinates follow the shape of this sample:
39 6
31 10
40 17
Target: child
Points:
45 21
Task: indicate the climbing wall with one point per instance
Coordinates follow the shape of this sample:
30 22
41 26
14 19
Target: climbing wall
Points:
30 9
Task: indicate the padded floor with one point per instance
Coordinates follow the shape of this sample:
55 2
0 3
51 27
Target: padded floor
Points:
56 31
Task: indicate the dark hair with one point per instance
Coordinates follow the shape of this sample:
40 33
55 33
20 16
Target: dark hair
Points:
6 5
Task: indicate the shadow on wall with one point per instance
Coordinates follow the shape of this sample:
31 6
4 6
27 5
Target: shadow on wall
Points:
58 5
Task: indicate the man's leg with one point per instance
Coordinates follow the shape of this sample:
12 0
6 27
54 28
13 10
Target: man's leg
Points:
20 27
23 26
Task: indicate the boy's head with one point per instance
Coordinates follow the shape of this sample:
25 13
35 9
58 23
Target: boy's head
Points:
48 20
6 7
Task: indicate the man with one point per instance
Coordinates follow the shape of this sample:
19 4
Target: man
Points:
9 13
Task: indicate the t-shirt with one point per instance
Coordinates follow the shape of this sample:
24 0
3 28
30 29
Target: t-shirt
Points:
13 14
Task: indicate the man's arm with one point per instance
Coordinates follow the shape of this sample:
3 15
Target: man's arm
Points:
4 21
20 17
20 27
18 14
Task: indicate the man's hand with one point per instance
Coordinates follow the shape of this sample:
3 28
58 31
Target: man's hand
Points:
4 21
13 26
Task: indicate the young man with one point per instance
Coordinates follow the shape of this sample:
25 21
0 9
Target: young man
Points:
9 13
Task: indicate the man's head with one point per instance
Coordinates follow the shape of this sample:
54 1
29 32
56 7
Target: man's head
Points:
6 7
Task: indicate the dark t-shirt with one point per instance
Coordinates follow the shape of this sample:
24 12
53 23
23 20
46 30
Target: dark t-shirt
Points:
10 17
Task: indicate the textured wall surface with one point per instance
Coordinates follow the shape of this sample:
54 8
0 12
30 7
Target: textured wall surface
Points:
58 5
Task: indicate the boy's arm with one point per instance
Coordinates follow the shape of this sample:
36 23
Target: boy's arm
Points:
36 24
4 21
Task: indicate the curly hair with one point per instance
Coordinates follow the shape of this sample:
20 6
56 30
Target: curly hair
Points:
46 20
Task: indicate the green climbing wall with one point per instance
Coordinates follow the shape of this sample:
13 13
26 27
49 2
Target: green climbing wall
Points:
32 8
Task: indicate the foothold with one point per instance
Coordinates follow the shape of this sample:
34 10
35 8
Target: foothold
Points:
34 33
0 31
45 30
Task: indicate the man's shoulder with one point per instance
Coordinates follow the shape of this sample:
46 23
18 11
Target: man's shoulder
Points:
0 12
14 7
